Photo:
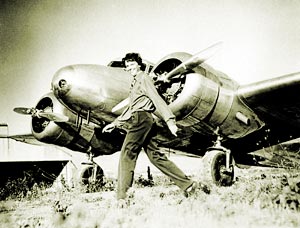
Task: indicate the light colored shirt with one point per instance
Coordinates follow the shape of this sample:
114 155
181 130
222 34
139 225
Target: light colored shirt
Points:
143 96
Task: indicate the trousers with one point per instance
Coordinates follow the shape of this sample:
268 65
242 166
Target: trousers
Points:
140 132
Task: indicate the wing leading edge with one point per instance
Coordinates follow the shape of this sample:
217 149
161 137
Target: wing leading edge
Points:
25 138
276 100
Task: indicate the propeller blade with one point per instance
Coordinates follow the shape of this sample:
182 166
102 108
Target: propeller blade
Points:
24 111
54 116
121 105
194 61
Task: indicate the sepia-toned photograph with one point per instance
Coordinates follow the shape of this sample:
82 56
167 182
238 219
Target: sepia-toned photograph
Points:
157 114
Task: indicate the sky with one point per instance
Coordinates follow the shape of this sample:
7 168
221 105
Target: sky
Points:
260 40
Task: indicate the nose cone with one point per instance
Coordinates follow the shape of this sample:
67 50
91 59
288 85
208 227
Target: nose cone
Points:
90 87
61 81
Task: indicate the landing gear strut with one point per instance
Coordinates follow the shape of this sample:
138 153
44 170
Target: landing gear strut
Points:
218 164
91 173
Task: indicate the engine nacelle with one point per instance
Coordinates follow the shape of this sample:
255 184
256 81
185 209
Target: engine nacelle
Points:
191 96
48 131
205 99
197 99
76 134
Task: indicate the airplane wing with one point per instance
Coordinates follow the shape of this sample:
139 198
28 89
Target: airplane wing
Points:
25 138
276 101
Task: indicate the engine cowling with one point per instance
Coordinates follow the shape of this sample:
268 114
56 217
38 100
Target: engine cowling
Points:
205 99
76 134
48 131
191 95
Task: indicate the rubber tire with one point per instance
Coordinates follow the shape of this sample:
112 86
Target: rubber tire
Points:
214 167
87 172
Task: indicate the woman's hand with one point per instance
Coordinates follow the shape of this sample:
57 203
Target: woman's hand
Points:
109 127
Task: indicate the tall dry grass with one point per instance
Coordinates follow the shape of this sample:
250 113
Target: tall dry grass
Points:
258 198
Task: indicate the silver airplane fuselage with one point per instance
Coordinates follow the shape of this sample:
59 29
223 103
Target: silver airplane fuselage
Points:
207 100
91 88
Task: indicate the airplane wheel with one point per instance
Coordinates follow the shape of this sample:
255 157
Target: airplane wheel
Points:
216 168
87 176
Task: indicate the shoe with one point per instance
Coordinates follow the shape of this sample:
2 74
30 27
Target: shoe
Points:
191 189
204 188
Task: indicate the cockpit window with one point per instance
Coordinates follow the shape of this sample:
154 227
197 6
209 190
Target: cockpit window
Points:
119 64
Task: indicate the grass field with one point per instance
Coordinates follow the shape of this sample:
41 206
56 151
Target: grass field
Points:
260 197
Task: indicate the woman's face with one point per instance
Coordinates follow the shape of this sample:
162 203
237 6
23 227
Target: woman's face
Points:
132 67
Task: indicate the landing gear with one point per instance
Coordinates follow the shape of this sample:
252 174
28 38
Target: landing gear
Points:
218 165
91 175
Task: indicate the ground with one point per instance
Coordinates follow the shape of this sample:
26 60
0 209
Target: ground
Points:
259 197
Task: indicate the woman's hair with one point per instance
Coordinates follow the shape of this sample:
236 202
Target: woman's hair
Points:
133 57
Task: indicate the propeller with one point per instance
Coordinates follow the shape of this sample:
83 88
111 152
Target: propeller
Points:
121 105
194 61
24 111
189 64
56 117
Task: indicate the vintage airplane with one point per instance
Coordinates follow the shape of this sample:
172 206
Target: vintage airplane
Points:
218 119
